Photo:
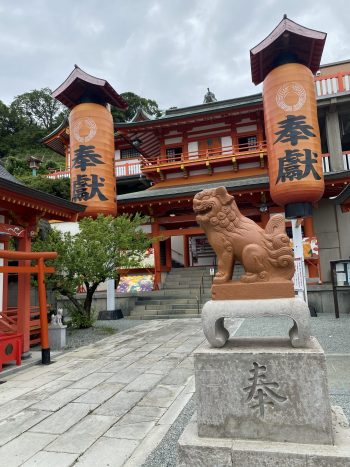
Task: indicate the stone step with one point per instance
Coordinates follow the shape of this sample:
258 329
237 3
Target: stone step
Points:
146 317
164 300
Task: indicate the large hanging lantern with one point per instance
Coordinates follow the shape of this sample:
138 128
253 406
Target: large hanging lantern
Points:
293 138
285 61
93 180
91 131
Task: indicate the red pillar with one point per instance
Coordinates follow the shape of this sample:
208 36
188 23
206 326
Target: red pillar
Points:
156 249
168 253
5 280
264 217
313 265
308 227
23 298
186 251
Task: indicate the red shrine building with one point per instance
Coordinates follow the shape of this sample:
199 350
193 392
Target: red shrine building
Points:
161 163
21 208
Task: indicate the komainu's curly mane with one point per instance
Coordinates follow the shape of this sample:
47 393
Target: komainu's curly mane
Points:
265 254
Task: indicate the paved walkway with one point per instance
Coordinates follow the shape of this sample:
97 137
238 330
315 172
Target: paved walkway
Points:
112 402
102 404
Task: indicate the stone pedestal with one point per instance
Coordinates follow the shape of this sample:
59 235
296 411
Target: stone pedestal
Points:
263 389
261 401
214 312
57 336
195 451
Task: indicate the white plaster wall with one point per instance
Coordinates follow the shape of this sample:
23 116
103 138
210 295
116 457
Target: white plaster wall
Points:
173 140
226 143
117 155
208 127
193 150
177 248
246 129
72 227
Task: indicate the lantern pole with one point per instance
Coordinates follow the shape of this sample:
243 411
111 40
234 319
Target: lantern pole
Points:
299 275
110 295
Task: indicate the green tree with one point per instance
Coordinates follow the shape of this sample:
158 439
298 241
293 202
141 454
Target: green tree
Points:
59 187
39 108
135 101
93 255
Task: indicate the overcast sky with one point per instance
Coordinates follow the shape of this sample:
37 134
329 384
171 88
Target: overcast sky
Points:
167 50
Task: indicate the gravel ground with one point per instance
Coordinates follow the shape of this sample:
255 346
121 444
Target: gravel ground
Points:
101 329
165 455
333 334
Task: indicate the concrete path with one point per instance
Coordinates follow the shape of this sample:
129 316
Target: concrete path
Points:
112 402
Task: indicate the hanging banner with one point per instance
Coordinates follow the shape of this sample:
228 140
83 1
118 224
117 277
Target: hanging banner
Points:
93 182
292 134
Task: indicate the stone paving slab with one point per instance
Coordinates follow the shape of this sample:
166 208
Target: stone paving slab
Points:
109 403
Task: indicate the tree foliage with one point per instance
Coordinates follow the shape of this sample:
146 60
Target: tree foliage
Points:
24 122
95 254
135 101
59 187
39 108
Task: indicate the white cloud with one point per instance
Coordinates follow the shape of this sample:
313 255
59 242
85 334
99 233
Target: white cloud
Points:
167 50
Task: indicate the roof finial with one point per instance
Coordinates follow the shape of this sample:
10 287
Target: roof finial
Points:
285 16
209 97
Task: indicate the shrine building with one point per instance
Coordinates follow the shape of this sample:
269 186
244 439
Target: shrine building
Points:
161 163
21 208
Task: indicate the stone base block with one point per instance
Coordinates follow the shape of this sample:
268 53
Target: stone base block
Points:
215 311
236 290
57 336
194 451
263 389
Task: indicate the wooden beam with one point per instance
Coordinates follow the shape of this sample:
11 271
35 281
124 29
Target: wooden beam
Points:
176 232
176 219
26 269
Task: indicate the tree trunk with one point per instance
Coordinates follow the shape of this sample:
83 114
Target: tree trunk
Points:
90 290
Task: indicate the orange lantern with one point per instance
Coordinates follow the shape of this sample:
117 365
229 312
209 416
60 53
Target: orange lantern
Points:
93 181
293 138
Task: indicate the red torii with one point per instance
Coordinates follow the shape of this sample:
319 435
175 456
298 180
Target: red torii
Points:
40 269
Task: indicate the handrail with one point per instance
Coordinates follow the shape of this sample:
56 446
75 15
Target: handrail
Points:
240 150
200 292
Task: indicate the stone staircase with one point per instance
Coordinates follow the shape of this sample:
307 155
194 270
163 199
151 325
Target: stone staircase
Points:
182 295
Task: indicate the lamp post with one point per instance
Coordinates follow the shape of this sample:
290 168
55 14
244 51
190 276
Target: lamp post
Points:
34 164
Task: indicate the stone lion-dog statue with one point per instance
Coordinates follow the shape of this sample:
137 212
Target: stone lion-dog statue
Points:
265 254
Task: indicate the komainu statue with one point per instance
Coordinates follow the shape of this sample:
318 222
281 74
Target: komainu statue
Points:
265 254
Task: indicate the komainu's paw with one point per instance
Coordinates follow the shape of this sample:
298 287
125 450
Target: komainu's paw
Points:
220 278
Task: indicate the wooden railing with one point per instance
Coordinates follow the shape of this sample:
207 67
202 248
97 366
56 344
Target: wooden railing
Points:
121 170
241 151
332 84
128 168
9 318
58 174
327 164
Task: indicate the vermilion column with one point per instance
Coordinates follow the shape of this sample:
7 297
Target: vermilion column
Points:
265 216
186 251
309 232
168 253
156 249
23 298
